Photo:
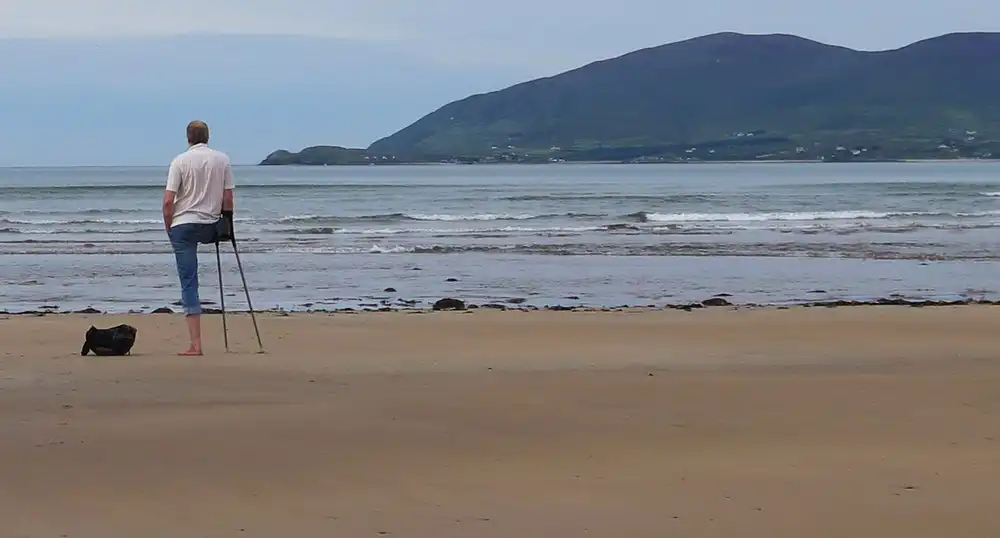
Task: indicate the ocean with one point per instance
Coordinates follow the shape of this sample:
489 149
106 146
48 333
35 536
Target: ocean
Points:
532 235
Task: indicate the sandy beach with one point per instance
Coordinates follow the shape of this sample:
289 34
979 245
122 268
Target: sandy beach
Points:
827 422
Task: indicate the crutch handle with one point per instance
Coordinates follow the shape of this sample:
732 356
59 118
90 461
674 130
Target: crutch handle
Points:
227 218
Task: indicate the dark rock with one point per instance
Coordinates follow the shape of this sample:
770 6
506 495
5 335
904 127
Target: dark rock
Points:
449 304
88 311
516 300
716 301
473 307
308 305
163 310
494 306
560 308
723 295
390 290
621 226
818 291
49 307
572 298
451 280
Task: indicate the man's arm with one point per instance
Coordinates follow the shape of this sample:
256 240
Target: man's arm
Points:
170 194
227 189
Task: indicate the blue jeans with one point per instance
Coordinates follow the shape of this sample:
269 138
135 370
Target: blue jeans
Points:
184 238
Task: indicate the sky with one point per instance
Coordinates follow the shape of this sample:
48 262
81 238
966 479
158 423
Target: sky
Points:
114 82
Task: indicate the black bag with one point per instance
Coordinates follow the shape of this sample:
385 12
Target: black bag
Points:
113 341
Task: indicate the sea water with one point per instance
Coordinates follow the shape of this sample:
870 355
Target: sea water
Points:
560 234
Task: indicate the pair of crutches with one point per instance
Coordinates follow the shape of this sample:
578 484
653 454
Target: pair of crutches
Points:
222 294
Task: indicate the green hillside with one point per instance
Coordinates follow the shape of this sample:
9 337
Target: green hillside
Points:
733 96
318 155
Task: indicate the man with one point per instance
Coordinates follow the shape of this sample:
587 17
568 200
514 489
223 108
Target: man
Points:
199 192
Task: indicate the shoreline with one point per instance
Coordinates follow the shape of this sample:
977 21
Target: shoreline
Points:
964 160
718 302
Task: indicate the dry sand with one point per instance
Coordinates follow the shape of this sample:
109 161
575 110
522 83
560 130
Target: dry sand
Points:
850 422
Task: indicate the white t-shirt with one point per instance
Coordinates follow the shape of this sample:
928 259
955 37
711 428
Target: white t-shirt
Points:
198 176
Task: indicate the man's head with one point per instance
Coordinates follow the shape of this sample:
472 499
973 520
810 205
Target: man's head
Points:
197 132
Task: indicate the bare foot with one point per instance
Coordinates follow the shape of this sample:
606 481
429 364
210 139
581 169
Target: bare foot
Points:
190 352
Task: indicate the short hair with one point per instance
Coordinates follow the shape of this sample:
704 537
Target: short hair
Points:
197 132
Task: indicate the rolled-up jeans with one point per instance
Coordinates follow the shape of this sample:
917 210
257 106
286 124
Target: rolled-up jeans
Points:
184 238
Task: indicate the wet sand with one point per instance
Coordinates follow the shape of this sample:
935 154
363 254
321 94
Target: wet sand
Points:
842 422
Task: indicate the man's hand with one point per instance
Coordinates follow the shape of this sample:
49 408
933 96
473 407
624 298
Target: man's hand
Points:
227 217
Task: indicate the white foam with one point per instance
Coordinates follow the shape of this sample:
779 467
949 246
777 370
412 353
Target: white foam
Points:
378 249
761 217
484 216
802 216
460 231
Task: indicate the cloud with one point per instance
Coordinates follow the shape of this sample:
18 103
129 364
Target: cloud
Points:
542 35
108 101
266 74
130 18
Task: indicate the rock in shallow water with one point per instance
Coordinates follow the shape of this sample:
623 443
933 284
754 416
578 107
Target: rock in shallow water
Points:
449 304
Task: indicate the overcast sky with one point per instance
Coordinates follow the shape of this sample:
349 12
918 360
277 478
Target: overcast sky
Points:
453 46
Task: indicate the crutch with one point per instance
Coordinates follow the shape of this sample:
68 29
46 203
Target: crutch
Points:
232 237
222 297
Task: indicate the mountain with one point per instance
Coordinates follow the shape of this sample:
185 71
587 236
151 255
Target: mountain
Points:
771 96
318 155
